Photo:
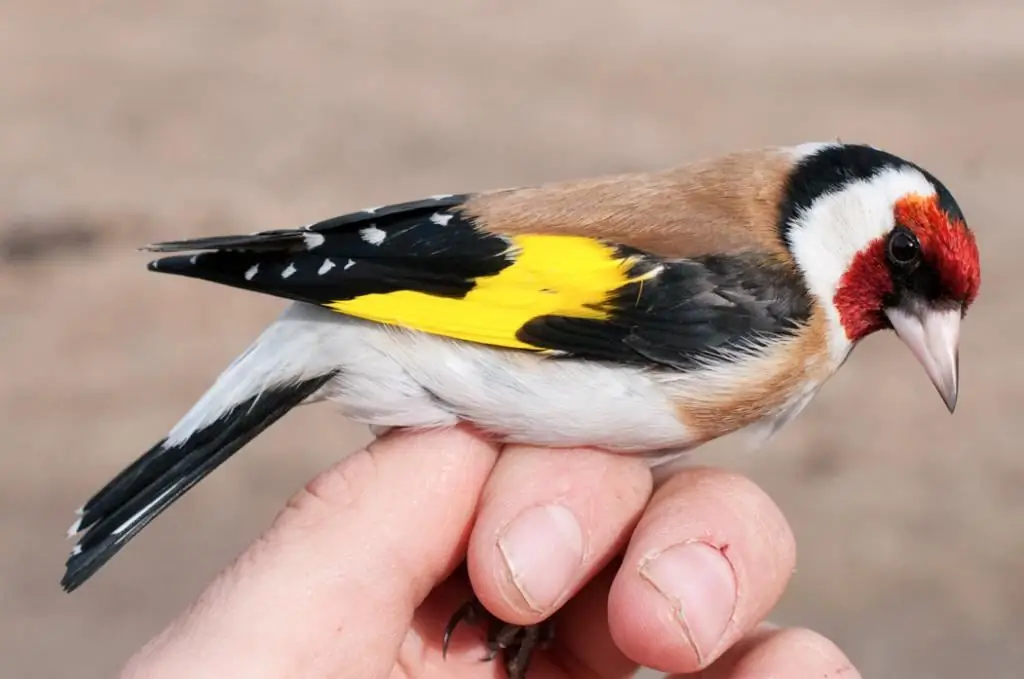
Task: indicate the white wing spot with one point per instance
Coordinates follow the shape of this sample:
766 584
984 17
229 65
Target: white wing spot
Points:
289 270
313 240
76 550
250 273
75 527
371 210
325 267
373 235
440 219
193 259
349 264
441 196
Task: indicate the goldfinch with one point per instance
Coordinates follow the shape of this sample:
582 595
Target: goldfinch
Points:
644 314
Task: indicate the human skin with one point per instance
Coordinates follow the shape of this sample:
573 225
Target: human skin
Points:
359 573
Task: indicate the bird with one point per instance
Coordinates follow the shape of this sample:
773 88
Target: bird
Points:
644 313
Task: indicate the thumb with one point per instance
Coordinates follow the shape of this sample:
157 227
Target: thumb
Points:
330 589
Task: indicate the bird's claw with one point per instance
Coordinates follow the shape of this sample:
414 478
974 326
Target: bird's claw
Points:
515 643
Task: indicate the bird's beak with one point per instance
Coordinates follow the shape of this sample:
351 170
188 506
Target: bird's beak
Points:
933 335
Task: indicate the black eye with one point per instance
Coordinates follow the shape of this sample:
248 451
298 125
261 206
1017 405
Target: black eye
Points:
904 249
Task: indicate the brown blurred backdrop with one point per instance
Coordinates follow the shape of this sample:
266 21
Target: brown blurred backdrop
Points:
123 122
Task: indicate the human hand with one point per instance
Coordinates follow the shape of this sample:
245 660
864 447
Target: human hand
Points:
358 576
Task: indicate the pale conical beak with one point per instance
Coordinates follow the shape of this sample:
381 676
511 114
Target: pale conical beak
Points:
933 335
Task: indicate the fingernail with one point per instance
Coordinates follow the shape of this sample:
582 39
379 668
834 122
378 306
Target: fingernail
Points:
542 548
700 585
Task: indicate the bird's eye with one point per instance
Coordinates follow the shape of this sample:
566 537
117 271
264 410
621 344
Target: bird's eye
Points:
904 248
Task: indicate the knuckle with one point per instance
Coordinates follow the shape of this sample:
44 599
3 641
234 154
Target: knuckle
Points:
340 488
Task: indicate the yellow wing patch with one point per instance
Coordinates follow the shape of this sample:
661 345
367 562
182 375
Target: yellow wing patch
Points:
565 275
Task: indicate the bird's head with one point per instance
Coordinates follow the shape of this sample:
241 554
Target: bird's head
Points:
884 245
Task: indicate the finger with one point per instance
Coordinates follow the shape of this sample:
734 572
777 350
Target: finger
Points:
549 520
329 590
793 653
709 559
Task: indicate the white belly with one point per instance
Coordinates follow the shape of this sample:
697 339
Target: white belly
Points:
390 377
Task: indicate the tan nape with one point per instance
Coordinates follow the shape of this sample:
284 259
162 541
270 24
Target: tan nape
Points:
724 205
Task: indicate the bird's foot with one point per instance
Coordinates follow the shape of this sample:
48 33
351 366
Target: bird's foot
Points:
516 644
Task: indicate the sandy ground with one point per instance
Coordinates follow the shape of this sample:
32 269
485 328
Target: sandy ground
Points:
122 122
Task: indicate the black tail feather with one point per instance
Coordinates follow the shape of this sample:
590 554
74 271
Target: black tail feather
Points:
139 474
152 483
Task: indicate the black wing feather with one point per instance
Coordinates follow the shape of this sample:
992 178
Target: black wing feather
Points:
265 241
690 309
426 246
693 309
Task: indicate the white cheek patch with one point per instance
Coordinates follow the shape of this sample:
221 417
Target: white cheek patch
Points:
825 237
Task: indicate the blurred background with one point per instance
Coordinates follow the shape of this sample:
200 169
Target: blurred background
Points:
124 122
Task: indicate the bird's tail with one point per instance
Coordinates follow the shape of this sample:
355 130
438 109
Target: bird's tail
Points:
243 402
137 495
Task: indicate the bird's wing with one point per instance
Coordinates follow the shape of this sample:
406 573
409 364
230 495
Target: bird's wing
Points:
428 265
